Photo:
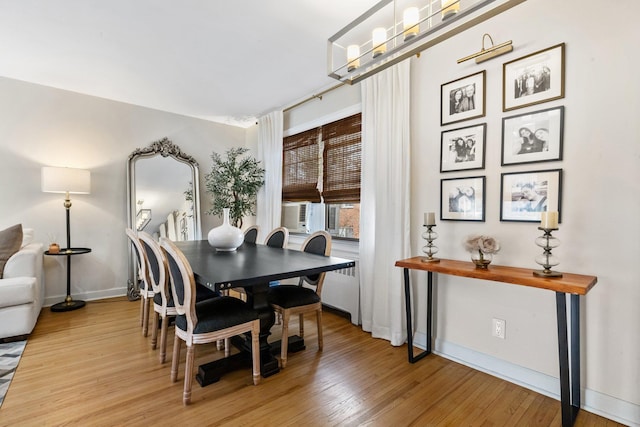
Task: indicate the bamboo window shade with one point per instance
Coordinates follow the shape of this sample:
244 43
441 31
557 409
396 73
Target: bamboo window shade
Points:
342 160
300 166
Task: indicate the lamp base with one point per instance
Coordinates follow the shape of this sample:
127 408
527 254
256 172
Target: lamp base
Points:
68 305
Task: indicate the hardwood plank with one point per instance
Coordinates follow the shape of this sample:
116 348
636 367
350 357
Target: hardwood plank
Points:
93 367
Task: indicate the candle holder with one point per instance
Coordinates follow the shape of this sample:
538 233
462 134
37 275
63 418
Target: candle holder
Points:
429 249
546 259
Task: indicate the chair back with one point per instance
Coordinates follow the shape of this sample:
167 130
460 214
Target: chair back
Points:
278 238
251 234
317 243
143 270
157 266
183 283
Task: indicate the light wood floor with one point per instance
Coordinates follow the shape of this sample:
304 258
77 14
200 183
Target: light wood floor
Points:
92 367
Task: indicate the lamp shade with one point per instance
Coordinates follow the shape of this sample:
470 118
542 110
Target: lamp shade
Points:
63 180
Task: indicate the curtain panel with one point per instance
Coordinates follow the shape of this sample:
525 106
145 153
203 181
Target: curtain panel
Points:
385 201
269 202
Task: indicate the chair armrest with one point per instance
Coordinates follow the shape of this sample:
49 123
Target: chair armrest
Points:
26 262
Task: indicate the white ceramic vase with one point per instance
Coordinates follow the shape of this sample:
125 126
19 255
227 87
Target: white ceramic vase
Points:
226 237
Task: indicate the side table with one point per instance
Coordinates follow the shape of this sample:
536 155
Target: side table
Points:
69 303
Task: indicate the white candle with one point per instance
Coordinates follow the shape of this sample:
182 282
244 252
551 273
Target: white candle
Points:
353 57
449 8
549 219
429 218
410 20
379 41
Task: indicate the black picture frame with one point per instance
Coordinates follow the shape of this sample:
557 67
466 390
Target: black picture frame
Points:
471 101
463 148
524 195
534 78
463 199
533 137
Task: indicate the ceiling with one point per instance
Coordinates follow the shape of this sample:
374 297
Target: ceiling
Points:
225 61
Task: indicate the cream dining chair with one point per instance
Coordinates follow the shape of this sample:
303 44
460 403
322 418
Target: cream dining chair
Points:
145 288
288 300
206 321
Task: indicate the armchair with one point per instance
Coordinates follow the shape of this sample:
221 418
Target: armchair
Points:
22 289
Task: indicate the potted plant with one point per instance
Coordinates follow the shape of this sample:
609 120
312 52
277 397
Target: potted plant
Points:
233 183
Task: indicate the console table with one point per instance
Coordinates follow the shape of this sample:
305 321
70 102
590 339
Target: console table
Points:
69 303
572 284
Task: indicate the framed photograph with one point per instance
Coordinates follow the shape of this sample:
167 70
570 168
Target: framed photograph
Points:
532 79
533 137
462 99
463 148
462 199
523 195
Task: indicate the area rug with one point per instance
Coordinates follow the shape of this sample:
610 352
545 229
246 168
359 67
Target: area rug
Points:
9 357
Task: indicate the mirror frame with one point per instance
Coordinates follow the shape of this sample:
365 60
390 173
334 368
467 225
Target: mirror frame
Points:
164 148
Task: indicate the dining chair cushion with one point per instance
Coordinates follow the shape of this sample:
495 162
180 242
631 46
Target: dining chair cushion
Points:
218 313
287 296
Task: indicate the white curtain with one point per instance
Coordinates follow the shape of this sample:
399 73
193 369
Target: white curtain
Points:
269 201
385 201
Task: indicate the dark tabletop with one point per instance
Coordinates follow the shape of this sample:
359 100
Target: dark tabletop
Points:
253 264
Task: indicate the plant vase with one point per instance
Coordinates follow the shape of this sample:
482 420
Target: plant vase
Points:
481 259
226 237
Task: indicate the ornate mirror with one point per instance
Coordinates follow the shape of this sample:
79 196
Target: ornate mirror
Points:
163 196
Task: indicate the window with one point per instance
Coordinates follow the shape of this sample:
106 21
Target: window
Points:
321 172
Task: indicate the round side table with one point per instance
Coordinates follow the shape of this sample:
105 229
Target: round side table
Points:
69 303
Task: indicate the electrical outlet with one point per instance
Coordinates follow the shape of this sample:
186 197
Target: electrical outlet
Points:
498 328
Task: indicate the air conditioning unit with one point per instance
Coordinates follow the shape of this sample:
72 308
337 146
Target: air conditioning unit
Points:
295 216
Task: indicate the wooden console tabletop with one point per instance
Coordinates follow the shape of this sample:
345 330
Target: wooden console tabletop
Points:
569 283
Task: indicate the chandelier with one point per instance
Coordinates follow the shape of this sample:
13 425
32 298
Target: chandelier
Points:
394 30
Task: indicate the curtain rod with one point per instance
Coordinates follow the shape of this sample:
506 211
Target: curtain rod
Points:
314 96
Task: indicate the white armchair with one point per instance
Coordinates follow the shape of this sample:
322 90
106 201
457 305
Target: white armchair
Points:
22 289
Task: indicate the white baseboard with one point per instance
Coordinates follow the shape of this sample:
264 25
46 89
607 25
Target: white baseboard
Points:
595 402
87 296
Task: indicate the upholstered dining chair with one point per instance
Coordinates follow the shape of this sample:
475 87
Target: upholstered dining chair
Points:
288 300
163 305
277 238
206 321
145 288
251 234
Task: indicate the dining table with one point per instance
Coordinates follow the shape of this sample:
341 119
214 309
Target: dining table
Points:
254 267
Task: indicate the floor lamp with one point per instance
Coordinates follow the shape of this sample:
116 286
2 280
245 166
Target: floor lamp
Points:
67 181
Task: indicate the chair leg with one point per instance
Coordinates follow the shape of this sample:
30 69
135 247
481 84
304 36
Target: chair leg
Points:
227 347
301 322
175 361
255 351
319 322
145 317
163 338
188 375
284 341
141 310
154 329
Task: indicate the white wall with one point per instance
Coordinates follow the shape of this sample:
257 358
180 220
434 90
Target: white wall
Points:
600 233
41 126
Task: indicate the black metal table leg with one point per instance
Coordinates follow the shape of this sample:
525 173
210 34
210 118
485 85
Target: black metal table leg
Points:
407 299
569 368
